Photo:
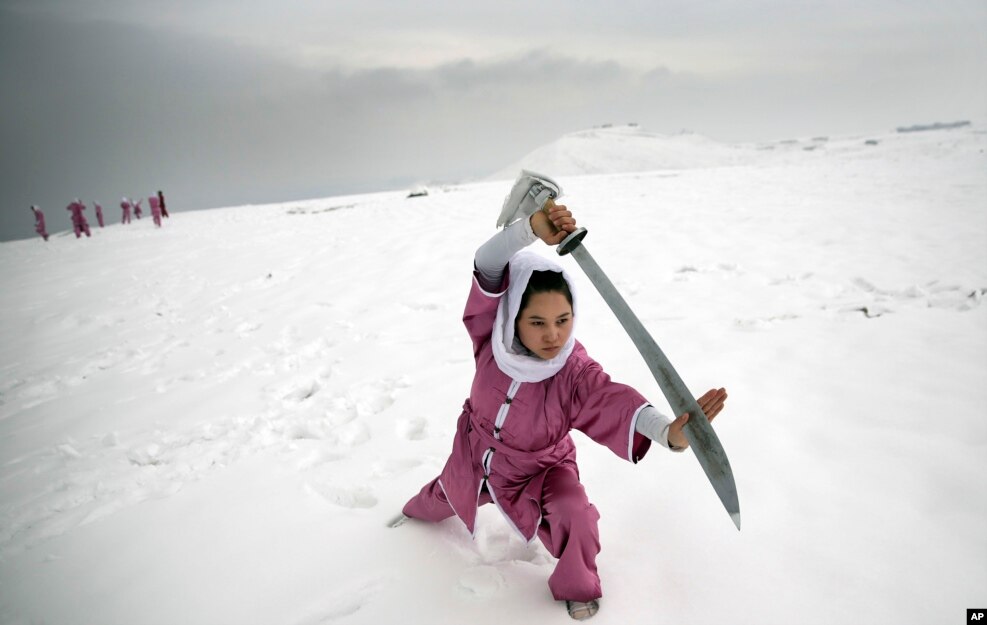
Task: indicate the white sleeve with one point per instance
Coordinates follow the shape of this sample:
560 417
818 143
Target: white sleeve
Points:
492 257
654 425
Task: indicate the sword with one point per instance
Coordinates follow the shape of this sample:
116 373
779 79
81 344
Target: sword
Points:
698 431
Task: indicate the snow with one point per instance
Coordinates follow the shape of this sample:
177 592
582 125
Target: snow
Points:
622 149
214 422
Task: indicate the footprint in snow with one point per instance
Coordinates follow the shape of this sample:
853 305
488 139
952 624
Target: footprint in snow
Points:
145 455
345 602
358 497
318 348
246 328
481 581
420 307
105 360
353 434
297 391
393 466
35 393
363 401
372 402
318 458
498 544
412 429
341 411
309 429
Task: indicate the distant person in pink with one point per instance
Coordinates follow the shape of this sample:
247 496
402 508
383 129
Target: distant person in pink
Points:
155 210
39 222
137 209
79 223
125 205
99 213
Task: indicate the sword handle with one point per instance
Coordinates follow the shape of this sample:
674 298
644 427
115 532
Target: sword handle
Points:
572 241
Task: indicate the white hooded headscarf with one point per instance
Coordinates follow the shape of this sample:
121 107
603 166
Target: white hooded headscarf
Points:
511 356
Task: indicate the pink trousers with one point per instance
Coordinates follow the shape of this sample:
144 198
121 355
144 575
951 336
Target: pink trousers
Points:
568 530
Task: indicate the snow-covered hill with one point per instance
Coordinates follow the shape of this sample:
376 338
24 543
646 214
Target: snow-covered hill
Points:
622 149
212 422
630 148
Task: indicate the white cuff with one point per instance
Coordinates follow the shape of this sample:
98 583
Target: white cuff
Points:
654 425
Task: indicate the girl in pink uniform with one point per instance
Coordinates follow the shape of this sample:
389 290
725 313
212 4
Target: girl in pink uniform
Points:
99 213
79 223
155 210
533 384
39 222
125 207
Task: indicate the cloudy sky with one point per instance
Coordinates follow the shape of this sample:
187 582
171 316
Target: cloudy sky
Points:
221 103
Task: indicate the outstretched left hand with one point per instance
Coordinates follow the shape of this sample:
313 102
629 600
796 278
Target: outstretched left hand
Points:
711 403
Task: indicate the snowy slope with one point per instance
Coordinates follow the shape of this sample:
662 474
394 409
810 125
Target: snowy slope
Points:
212 423
623 149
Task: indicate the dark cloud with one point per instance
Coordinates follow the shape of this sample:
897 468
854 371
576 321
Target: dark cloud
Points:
99 110
125 104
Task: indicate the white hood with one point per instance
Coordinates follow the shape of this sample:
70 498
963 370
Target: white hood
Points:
511 356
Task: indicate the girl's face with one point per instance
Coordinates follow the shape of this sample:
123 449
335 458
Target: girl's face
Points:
545 324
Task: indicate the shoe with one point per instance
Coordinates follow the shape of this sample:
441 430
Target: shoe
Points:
582 611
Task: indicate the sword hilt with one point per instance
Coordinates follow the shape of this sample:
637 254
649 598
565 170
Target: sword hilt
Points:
572 241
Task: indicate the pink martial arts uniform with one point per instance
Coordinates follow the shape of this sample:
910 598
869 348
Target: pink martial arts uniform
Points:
79 223
39 223
155 210
125 205
137 209
512 447
99 213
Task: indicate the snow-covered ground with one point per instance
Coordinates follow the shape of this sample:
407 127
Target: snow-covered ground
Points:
211 423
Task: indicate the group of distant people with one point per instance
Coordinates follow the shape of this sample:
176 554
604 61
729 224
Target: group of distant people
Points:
81 226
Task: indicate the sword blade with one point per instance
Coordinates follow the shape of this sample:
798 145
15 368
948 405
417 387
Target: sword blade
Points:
702 438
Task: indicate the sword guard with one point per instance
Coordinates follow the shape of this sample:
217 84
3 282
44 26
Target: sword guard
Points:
571 242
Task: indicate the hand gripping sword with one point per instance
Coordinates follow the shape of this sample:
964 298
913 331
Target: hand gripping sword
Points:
698 431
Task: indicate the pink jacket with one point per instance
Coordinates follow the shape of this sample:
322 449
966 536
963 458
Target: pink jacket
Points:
39 221
76 207
511 433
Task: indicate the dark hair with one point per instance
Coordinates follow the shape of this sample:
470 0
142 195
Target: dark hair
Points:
545 282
